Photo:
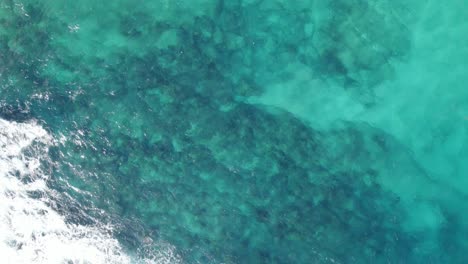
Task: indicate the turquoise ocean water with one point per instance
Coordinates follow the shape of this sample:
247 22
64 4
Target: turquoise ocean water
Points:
233 131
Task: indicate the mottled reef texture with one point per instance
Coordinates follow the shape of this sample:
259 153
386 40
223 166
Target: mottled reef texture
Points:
152 98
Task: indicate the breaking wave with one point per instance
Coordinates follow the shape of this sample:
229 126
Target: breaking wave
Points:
30 230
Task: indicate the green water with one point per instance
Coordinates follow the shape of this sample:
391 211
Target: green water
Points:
252 131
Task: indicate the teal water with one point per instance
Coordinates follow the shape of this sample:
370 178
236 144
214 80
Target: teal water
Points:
251 131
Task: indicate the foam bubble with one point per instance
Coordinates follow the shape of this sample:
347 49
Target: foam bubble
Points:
32 232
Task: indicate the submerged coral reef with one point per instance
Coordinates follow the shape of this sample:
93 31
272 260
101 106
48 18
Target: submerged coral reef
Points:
176 127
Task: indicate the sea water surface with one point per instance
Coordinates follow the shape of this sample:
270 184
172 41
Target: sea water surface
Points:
240 131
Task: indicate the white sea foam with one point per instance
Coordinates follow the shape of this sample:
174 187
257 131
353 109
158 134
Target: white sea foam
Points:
31 231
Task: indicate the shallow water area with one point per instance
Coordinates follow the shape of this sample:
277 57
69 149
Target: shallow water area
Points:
244 131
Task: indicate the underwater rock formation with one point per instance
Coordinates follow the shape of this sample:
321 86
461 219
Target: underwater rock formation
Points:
160 127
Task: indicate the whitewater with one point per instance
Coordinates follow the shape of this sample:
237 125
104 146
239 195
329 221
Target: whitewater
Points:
30 230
